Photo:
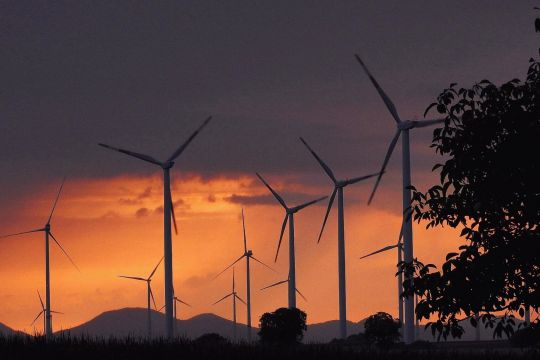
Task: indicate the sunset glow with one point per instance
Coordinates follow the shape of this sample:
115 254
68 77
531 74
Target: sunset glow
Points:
113 226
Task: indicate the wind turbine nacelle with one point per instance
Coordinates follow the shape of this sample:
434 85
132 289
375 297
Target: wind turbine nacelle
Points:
407 124
249 253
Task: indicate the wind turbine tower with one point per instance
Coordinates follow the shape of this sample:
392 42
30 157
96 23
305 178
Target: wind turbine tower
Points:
168 212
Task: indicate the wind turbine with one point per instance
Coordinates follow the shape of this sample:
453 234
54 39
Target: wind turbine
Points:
150 295
248 254
168 212
289 217
234 297
399 247
403 127
176 300
283 282
43 312
339 185
48 234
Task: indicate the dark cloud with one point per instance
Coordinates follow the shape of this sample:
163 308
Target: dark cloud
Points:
142 212
291 199
143 75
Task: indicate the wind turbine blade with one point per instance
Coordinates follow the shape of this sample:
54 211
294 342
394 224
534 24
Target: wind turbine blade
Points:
244 229
389 104
260 262
40 300
275 284
355 180
276 195
228 267
385 162
182 302
56 200
140 156
223 298
186 143
325 167
281 235
161 308
173 216
330 203
386 248
300 207
425 123
65 252
153 271
37 317
152 296
299 293
239 298
21 233
132 277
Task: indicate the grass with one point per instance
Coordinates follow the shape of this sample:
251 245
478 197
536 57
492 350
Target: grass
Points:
81 348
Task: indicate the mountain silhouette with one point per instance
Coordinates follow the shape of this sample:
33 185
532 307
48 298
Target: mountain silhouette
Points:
6 330
132 322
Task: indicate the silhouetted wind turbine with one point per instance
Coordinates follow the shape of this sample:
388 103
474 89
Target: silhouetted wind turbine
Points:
42 312
176 300
338 189
48 233
399 247
283 282
168 212
150 295
234 297
289 217
248 254
403 127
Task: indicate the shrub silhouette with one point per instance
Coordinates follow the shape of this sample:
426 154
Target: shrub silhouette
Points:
381 329
283 326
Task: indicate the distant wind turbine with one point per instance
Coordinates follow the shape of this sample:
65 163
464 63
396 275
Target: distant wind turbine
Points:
403 127
149 296
43 312
289 217
283 282
176 300
248 254
48 234
338 189
168 212
399 247
234 297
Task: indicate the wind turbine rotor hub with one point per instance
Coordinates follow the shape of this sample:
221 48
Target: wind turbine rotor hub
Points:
168 165
249 253
406 125
47 227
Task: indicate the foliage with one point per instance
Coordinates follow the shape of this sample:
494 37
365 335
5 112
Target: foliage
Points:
283 326
490 188
526 337
381 329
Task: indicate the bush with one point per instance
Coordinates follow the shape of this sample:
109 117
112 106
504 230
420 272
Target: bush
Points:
382 329
526 337
283 326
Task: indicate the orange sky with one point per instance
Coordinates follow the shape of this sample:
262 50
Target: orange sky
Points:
102 226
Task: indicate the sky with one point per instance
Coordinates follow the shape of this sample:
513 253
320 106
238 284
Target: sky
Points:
144 75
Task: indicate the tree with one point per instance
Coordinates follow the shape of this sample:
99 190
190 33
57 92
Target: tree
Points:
489 187
283 326
381 329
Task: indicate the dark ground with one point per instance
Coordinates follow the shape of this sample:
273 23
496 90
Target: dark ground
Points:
27 347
